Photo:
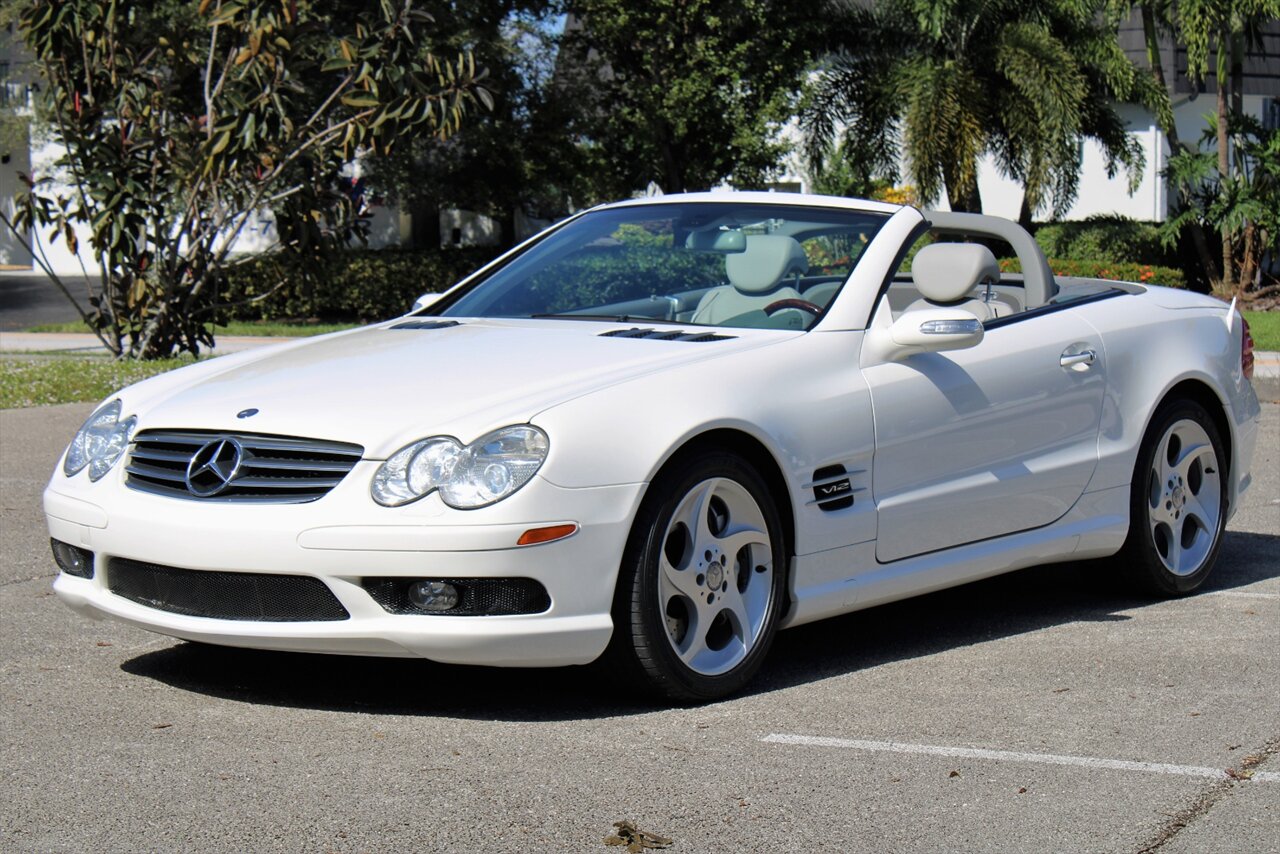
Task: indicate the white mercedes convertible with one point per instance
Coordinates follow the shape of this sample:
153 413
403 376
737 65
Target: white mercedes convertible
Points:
657 433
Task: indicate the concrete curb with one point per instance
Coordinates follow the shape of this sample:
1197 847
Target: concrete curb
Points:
1266 375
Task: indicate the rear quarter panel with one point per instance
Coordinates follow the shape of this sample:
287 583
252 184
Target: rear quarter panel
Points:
1154 341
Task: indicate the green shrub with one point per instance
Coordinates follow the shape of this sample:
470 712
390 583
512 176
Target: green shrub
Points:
1115 237
1120 271
355 285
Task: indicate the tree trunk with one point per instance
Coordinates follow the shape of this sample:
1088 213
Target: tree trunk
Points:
961 198
672 153
1237 73
425 217
507 227
1224 176
1252 253
1247 262
1024 213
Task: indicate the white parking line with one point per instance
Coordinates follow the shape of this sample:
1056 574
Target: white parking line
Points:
1011 756
1246 594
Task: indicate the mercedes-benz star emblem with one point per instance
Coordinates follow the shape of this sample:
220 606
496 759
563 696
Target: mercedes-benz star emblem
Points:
214 466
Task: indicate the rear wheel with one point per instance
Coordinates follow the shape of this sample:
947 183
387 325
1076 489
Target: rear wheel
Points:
1178 506
702 582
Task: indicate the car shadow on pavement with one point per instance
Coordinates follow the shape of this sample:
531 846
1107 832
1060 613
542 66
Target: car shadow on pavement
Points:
1008 605
1025 601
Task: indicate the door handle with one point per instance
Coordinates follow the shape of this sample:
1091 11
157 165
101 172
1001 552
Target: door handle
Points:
1081 359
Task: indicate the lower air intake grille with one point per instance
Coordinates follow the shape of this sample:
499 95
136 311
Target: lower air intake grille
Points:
203 465
259 597
477 597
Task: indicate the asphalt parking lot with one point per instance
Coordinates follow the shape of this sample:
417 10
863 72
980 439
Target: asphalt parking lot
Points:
1041 711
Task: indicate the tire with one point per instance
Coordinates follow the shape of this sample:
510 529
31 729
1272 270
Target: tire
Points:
1178 504
702 582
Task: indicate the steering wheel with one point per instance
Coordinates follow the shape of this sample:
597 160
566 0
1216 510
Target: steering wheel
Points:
801 304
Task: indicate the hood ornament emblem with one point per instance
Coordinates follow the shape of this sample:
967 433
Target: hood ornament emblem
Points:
214 467
247 413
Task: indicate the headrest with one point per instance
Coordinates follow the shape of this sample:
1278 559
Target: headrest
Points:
768 259
947 272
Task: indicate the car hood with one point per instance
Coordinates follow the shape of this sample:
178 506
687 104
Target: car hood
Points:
390 384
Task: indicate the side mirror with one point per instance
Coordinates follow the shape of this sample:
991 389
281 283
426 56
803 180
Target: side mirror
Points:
927 331
424 301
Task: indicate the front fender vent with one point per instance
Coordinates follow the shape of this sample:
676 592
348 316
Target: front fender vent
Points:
665 335
832 487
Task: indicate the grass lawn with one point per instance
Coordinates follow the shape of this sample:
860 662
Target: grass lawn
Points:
1265 327
43 380
252 328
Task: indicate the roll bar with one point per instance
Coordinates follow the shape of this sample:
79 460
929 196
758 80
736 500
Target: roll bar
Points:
1037 278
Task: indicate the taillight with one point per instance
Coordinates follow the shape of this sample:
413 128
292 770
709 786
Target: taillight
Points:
1246 350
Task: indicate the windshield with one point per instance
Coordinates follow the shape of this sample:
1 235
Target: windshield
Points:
709 264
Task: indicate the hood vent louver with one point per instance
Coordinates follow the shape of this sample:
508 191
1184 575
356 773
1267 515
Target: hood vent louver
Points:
665 335
426 324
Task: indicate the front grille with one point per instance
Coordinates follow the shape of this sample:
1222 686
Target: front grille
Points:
477 597
270 469
224 595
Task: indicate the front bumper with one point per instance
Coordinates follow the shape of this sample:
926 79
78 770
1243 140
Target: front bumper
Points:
343 538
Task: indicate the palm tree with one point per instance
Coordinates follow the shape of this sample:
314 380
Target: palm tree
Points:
937 84
1226 28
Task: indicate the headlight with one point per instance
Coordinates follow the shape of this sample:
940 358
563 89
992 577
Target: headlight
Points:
467 476
100 442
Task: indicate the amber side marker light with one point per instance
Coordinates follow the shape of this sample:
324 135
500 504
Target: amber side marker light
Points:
534 536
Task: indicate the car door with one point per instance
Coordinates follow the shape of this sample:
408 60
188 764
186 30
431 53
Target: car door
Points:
978 443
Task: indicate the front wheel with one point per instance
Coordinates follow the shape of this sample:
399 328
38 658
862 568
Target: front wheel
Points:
1178 506
702 583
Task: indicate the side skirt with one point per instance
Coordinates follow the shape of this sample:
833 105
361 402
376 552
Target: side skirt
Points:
848 579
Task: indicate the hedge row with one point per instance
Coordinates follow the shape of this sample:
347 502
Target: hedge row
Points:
1118 238
359 284
1123 271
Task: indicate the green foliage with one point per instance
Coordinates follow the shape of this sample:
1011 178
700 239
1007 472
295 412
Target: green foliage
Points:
940 84
1226 29
684 93
843 173
1115 237
1210 26
183 121
1118 271
515 156
356 285
1244 206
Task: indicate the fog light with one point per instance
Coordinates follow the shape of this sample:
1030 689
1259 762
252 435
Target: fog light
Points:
433 595
73 560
